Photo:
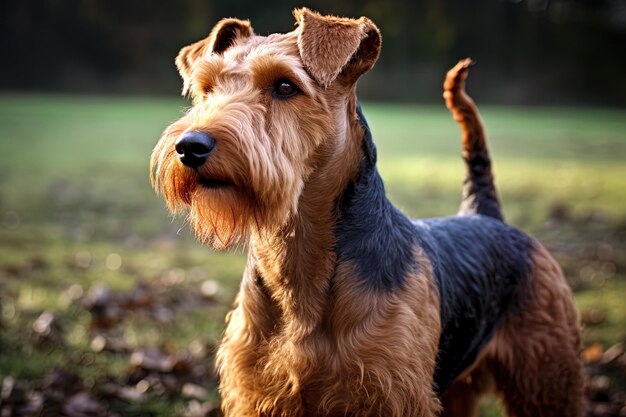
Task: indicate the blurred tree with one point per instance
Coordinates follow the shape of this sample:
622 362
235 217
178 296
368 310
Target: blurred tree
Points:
529 51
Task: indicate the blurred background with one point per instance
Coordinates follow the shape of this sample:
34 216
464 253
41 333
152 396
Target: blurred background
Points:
530 51
108 307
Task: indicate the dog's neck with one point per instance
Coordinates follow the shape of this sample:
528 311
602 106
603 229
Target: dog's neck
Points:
298 261
371 233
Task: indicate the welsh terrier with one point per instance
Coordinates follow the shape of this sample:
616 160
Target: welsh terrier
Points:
347 307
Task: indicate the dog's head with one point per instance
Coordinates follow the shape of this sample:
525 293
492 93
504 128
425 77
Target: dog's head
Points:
269 114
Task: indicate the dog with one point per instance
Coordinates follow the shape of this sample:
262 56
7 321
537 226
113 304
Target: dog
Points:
346 306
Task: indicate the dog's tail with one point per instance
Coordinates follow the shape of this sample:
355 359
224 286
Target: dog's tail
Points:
479 192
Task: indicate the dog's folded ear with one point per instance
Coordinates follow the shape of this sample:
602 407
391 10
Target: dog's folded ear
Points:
333 47
222 36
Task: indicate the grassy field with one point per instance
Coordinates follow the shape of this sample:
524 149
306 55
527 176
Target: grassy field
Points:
108 303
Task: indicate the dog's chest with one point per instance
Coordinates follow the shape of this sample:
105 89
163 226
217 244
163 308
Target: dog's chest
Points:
366 344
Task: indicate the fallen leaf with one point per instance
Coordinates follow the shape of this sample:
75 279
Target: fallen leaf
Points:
593 353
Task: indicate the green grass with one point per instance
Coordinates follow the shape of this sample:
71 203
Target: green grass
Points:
74 191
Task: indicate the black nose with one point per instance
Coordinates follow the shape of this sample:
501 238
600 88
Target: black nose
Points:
194 147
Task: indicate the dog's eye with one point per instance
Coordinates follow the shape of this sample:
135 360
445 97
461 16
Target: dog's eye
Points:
285 89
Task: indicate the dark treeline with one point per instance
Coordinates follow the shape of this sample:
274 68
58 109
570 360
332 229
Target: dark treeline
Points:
528 51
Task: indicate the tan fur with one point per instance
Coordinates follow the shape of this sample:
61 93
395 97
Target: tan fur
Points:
536 352
296 345
462 398
268 172
223 35
328 43
355 361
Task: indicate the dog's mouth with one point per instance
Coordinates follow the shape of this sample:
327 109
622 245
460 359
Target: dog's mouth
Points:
214 183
